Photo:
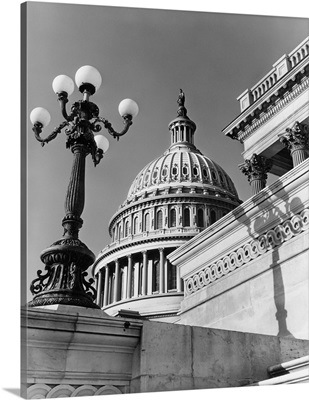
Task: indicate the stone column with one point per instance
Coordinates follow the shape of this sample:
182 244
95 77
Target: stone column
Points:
99 289
296 139
129 277
144 276
106 286
178 280
117 283
256 170
161 274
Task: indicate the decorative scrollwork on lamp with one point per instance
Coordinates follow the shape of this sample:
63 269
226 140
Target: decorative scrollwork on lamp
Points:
67 260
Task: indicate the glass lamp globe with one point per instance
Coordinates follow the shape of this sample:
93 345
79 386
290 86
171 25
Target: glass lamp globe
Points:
128 107
41 115
88 74
63 83
102 142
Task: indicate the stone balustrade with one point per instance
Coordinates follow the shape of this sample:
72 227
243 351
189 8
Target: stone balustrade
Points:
280 68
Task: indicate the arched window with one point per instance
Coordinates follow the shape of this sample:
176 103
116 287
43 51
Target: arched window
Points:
146 222
186 217
213 216
135 225
127 229
159 219
119 232
200 218
172 218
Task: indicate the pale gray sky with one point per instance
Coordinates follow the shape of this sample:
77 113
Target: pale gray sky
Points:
146 55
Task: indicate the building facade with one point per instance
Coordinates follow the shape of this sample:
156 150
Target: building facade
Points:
249 271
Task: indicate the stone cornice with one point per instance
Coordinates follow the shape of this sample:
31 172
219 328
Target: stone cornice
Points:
284 91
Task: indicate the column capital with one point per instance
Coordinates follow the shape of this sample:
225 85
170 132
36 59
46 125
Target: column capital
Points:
296 138
256 167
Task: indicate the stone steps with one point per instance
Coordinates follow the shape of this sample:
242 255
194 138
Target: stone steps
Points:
294 371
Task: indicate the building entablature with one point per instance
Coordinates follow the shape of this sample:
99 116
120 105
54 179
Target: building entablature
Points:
273 100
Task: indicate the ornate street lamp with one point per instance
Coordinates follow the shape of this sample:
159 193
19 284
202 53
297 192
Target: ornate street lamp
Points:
67 260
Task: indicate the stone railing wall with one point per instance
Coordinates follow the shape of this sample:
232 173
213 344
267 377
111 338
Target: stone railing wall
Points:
248 252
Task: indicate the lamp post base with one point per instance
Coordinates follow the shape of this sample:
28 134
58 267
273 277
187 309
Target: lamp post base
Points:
63 282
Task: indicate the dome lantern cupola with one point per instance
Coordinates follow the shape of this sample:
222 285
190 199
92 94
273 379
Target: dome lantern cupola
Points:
182 128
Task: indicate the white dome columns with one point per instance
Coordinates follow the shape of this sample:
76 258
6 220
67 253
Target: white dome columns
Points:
182 131
147 273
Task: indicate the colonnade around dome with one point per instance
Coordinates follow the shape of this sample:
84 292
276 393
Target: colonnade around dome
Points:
144 273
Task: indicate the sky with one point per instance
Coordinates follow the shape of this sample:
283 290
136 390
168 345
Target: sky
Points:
282 40
146 55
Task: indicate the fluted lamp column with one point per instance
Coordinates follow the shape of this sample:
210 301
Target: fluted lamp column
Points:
67 259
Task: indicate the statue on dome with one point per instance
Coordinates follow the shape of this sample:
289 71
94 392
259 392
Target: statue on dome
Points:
182 111
181 98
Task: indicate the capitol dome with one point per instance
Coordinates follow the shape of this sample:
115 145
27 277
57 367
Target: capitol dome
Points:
182 165
173 198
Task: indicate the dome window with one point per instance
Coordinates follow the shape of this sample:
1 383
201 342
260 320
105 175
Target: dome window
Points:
185 170
221 177
172 218
195 171
155 174
174 170
147 177
213 217
147 222
127 229
164 172
186 217
135 225
214 175
205 174
200 218
140 181
159 219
